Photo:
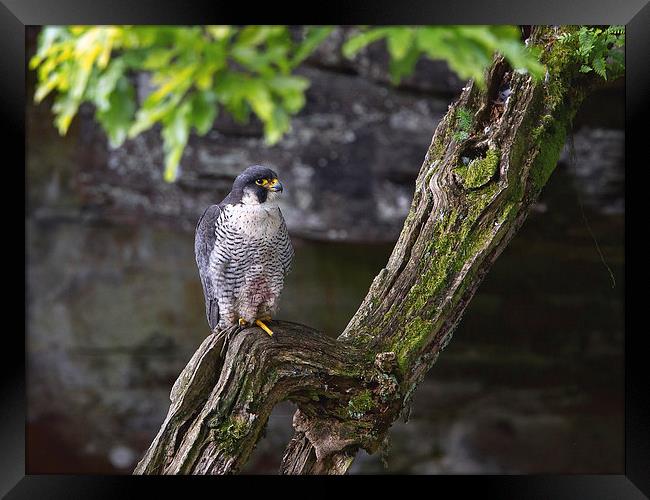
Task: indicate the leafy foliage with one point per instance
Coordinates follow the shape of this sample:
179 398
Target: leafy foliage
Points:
193 72
599 49
467 49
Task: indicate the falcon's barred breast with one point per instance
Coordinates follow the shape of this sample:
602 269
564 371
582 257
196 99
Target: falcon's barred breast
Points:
243 251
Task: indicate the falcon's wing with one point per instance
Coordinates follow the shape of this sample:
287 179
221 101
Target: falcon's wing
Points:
286 248
204 241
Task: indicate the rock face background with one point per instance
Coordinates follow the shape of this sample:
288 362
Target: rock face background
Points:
532 381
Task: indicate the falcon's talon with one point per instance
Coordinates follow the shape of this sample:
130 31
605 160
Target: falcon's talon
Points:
261 324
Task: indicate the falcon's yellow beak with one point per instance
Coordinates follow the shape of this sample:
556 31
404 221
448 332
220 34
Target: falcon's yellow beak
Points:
274 185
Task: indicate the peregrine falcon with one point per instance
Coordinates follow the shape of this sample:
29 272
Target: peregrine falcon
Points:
243 252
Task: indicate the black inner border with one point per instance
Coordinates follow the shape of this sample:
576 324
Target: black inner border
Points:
635 14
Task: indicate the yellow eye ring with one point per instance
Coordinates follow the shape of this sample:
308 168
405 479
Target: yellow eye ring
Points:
261 182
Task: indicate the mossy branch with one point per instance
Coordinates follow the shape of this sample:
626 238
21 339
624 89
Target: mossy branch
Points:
221 401
472 194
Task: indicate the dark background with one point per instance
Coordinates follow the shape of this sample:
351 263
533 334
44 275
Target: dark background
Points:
532 381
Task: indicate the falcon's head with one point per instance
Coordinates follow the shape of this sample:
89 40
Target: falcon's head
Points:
257 185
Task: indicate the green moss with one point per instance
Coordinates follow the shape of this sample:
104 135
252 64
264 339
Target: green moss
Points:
436 271
480 170
416 332
551 144
507 211
439 143
360 404
564 77
562 95
230 433
561 64
463 123
549 137
540 130
437 148
456 238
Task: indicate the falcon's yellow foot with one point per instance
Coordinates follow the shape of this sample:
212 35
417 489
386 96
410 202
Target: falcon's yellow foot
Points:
242 322
261 324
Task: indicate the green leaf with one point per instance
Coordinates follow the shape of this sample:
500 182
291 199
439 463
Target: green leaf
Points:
117 116
229 90
157 58
148 115
259 98
399 42
282 84
170 83
435 42
520 57
175 133
586 39
355 43
276 127
404 66
45 87
65 107
251 36
291 90
204 111
219 32
106 83
313 38
599 67
249 57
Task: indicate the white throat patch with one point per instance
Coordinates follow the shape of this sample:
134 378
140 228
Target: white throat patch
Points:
249 197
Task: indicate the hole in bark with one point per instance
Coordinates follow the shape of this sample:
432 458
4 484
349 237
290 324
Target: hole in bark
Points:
267 455
477 165
472 152
181 432
364 462
497 93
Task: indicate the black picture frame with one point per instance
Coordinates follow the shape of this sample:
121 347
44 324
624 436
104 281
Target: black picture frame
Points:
15 15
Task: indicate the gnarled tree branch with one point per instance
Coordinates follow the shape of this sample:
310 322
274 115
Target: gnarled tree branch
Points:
219 409
472 194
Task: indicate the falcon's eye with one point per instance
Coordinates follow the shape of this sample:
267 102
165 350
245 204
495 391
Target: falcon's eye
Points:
261 182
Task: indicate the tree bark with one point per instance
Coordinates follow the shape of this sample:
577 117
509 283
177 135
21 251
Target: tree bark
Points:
474 190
